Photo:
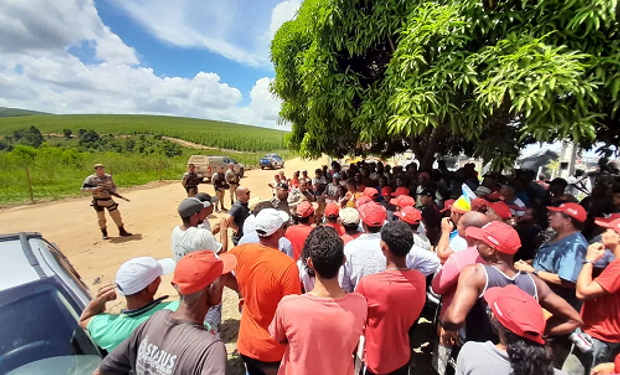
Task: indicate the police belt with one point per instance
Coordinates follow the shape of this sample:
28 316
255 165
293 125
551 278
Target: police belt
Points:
103 199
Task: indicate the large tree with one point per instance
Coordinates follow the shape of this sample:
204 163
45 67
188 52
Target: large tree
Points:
481 77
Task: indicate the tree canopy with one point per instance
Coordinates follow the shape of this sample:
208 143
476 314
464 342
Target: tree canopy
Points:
446 76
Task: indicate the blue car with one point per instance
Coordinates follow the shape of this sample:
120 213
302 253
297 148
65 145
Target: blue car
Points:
272 161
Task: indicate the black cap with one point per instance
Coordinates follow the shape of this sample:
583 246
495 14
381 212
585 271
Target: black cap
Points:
427 192
282 185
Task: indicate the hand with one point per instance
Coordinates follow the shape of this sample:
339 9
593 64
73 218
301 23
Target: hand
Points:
106 293
97 189
447 225
524 266
603 369
448 338
595 252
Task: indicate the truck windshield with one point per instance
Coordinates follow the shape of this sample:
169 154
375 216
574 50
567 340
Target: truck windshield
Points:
41 333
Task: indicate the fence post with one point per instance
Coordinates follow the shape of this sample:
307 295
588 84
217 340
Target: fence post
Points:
29 184
159 169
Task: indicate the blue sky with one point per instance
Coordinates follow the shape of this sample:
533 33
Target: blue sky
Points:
197 58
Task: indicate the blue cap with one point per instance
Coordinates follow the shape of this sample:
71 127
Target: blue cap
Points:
336 175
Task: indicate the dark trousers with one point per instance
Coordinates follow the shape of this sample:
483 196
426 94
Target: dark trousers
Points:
401 371
256 367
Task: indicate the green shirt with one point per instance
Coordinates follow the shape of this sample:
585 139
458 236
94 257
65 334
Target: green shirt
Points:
109 330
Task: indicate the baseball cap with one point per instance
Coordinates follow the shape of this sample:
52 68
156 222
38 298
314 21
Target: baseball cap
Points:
427 192
364 199
610 224
373 214
461 205
447 205
371 192
483 190
571 209
401 191
332 210
517 311
268 221
206 197
136 274
97 166
199 269
495 196
402 201
501 209
305 209
282 185
409 215
386 191
349 216
336 175
498 235
253 202
191 206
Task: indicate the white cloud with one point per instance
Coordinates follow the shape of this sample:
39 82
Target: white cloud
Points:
285 11
38 72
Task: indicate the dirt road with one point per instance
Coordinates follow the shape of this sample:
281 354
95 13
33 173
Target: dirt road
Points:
150 216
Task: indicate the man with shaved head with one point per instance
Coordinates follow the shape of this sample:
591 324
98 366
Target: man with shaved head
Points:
235 218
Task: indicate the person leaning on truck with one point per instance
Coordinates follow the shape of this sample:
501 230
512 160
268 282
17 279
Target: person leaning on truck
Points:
232 179
220 185
101 185
191 181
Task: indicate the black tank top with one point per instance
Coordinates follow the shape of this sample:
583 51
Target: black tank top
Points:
477 325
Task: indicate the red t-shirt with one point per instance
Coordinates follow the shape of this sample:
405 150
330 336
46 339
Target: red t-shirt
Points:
338 227
601 316
265 275
395 301
322 333
297 234
346 238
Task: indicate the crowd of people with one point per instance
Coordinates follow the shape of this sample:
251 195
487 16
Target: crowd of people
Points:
334 271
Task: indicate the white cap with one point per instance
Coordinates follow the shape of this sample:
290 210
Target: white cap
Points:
349 216
268 221
136 274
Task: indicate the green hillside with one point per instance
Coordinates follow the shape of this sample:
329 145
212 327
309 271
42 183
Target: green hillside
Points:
207 132
16 112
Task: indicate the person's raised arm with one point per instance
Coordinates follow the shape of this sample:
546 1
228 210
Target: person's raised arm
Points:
565 318
443 248
470 285
226 222
587 288
97 305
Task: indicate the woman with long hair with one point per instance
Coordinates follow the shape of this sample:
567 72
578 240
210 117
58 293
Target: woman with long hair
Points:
520 325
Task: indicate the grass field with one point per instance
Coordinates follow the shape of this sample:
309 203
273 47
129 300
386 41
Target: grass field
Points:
16 112
206 132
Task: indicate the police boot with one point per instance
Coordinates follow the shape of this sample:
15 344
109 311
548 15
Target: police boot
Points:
104 232
122 232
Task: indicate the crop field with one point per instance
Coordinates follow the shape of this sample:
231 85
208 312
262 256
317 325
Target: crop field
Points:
206 132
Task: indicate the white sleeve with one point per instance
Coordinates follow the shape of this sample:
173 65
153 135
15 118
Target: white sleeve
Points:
422 260
344 276
210 243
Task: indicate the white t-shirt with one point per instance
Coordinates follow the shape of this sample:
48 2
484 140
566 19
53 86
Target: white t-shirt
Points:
458 243
192 239
306 280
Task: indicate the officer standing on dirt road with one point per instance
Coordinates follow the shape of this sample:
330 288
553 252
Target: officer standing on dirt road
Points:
220 186
101 185
190 181
232 178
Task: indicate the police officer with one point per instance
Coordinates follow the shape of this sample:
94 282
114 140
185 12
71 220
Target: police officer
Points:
190 181
101 185
232 179
220 186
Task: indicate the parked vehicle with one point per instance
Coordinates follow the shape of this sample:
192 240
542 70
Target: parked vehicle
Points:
41 299
207 165
272 161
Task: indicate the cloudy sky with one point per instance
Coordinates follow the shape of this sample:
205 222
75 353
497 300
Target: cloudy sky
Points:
195 58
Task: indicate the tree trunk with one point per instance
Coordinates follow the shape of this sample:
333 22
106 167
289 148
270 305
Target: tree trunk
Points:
424 148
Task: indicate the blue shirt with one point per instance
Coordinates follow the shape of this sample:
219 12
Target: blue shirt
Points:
563 257
284 245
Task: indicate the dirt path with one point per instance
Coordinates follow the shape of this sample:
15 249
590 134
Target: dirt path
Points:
151 215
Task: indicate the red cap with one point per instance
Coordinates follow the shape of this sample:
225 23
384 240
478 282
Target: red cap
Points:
498 235
199 269
409 215
447 205
402 201
373 214
571 209
371 192
518 312
386 191
362 201
610 224
501 209
495 196
305 209
332 210
401 191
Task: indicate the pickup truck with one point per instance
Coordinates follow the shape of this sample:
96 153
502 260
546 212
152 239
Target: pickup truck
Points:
272 161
